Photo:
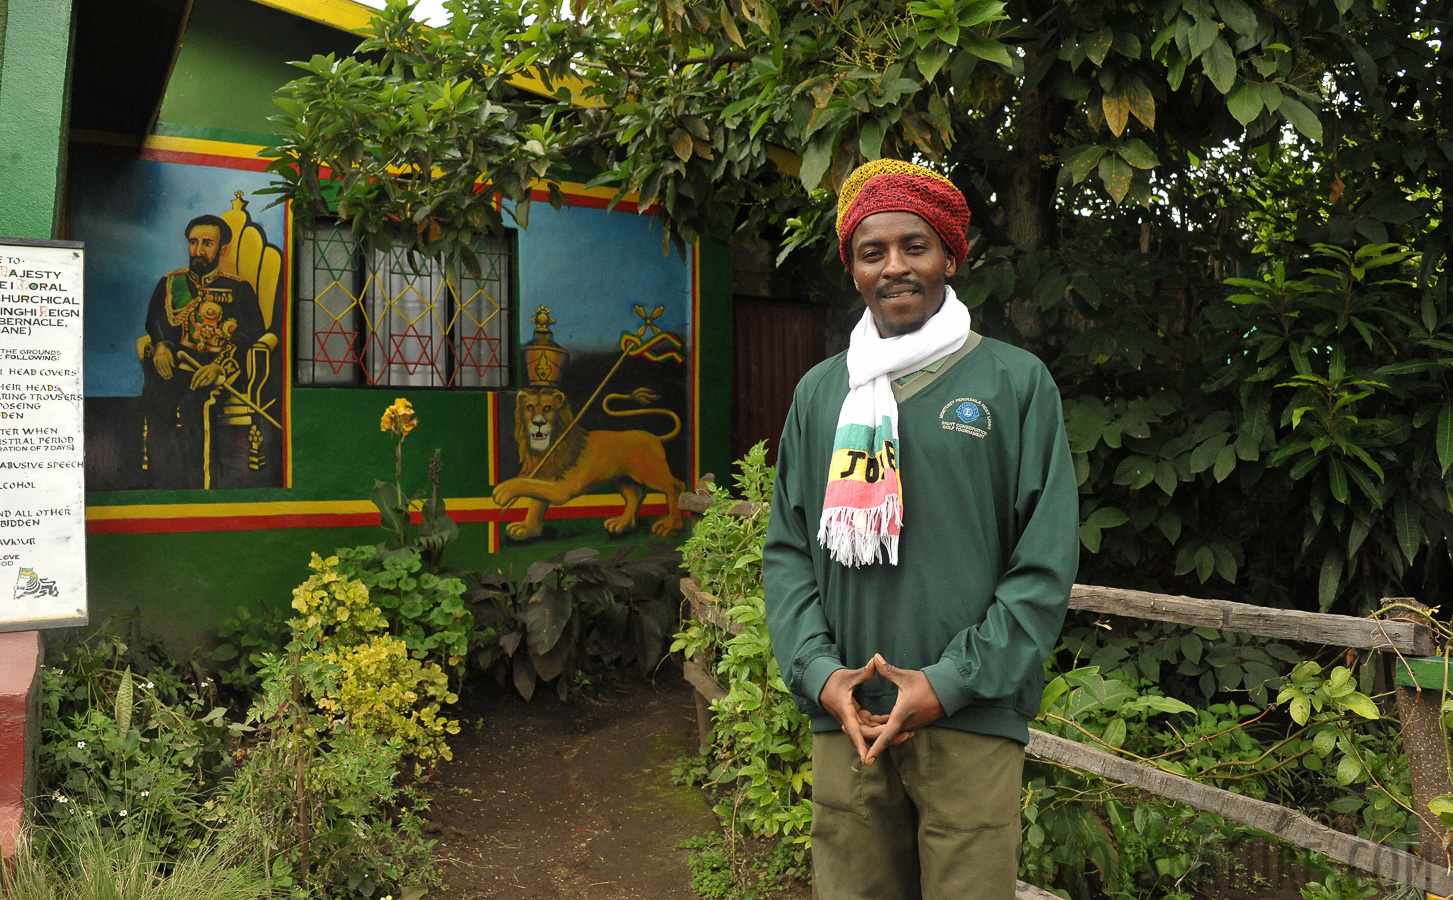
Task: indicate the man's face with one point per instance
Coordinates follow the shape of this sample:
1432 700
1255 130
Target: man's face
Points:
900 267
204 244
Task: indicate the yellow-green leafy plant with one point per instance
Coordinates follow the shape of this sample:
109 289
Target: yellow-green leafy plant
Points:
369 680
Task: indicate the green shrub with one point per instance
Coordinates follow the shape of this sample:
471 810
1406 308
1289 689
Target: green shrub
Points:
575 611
132 743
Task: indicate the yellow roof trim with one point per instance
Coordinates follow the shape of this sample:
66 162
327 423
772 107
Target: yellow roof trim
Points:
345 15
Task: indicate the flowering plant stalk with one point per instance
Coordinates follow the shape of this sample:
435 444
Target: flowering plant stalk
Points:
437 530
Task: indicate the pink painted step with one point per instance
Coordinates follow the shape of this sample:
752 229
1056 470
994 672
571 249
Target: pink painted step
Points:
20 657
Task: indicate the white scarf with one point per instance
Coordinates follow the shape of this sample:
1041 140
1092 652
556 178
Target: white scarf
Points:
862 512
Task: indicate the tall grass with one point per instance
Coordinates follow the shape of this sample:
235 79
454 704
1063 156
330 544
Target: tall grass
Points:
97 865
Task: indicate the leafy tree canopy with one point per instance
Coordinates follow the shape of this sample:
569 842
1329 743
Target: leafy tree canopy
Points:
1219 221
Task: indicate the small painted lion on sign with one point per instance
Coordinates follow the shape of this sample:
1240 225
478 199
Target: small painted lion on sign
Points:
634 461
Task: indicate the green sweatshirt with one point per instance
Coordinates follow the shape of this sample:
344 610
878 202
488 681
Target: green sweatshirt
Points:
987 554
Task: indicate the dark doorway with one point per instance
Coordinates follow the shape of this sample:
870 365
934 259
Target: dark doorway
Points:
774 343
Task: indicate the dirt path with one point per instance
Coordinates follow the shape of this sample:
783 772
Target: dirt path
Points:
573 801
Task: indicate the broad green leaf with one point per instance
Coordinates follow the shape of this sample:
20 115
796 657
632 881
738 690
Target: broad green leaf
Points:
815 160
1142 102
1237 16
1116 107
1138 154
1205 563
1445 437
1116 175
1408 524
1225 463
1349 770
1442 807
870 139
1337 481
1302 119
1107 517
1115 732
728 24
1192 647
1330 579
1165 479
931 60
1097 46
1219 63
546 614
1362 705
1083 161
1245 102
1090 537
986 49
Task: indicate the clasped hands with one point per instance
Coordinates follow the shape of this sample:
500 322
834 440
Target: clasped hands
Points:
917 705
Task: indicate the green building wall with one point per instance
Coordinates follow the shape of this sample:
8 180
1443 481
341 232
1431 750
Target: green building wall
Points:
35 52
234 55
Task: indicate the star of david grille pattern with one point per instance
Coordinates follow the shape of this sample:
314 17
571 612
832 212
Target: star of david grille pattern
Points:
367 318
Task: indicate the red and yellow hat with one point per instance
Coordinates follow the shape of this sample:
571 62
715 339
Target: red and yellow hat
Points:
892 185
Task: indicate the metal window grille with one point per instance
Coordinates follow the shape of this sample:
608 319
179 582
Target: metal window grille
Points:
367 318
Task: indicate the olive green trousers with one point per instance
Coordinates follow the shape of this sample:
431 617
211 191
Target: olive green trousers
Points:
935 818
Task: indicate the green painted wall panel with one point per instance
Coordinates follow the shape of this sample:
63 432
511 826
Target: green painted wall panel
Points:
34 81
185 584
715 393
234 56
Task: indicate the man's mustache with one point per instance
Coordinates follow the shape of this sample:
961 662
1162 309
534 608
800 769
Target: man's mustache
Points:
885 290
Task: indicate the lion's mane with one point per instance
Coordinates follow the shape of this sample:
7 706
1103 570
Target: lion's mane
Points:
564 455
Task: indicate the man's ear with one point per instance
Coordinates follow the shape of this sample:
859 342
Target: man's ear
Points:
951 266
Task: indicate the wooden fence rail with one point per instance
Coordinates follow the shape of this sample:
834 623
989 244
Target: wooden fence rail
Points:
1402 637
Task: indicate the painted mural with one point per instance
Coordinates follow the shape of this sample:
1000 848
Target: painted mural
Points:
559 461
184 368
596 443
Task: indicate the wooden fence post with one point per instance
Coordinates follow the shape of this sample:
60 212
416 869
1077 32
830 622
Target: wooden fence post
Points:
1420 707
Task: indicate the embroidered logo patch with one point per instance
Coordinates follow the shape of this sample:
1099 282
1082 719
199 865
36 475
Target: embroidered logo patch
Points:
967 415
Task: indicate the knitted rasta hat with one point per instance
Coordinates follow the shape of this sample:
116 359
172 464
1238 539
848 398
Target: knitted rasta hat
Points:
891 185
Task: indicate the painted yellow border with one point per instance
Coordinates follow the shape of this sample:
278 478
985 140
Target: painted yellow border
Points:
344 15
312 507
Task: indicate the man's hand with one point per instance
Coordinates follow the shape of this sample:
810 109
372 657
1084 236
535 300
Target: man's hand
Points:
837 698
161 358
917 705
207 376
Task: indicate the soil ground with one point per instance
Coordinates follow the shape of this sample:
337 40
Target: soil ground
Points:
573 801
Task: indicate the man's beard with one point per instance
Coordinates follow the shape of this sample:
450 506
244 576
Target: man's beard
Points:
201 265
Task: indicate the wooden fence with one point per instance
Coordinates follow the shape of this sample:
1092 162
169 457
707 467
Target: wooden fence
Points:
1418 709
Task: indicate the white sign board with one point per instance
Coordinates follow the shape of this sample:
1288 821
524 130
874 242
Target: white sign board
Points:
42 452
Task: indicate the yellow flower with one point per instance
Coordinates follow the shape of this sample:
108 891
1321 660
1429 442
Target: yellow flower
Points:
398 418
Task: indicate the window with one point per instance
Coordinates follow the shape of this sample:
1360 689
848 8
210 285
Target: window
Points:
368 319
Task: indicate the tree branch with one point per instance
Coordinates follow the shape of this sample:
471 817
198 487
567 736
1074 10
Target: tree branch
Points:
721 59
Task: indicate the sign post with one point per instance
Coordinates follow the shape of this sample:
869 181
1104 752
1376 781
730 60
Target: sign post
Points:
42 453
42 491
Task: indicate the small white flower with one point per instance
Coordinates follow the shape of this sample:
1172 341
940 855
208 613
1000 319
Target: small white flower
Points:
149 685
146 793
123 813
80 745
64 799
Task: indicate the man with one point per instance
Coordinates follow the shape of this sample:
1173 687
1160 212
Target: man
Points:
201 324
923 541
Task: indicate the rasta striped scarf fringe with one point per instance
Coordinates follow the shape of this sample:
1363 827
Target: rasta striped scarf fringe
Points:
862 513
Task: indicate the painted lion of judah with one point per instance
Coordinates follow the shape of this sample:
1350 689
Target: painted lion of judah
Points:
634 461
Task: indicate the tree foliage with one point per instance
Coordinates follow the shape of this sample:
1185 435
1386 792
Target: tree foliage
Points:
1219 221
